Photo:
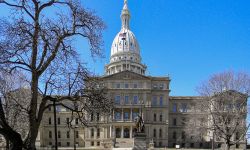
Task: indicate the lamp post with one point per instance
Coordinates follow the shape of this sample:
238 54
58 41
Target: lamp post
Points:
213 141
75 127
55 124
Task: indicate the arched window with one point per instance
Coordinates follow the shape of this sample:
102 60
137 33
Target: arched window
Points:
154 116
92 132
160 133
154 132
160 117
126 133
118 133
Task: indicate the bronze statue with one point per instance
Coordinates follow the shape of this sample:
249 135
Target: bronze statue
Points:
139 124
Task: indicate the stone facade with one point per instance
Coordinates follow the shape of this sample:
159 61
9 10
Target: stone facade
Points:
134 93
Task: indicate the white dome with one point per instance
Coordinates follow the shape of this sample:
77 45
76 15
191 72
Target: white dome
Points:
125 50
125 42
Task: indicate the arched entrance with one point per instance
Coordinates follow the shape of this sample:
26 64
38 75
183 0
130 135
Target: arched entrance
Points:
118 133
126 133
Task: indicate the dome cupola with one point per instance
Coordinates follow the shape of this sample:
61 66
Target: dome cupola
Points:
125 48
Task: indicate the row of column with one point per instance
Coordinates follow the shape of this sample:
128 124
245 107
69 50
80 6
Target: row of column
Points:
112 131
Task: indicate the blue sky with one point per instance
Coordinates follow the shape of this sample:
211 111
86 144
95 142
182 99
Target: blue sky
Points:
186 39
189 40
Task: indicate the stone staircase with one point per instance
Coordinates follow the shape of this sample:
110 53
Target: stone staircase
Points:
124 143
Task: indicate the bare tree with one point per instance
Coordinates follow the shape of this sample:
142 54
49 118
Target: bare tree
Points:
13 108
39 46
225 103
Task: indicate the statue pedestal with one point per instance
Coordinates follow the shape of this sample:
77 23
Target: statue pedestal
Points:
140 141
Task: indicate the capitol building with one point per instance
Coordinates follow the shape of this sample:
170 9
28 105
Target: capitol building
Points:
134 92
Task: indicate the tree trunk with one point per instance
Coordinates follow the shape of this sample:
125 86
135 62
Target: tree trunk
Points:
13 139
30 142
227 146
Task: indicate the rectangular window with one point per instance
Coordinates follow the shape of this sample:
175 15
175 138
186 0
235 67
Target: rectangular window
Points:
68 144
50 134
92 117
92 132
135 99
126 85
118 85
92 143
174 121
97 116
59 134
117 100
154 101
117 116
134 115
160 133
161 101
49 120
68 134
126 99
174 109
59 144
126 115
135 86
76 121
160 117
58 121
154 117
67 120
154 132
98 143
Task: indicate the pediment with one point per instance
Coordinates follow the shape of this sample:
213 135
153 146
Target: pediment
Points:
126 75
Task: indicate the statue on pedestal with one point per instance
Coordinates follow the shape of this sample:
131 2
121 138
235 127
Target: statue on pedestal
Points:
139 124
